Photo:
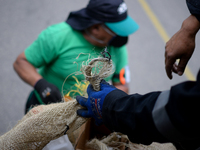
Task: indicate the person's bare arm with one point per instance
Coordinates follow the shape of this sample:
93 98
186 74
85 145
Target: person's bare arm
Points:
25 70
181 46
122 87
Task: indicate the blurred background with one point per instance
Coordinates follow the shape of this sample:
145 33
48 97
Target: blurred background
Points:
21 21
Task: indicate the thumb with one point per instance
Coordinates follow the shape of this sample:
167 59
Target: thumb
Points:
83 113
181 65
90 89
81 100
104 82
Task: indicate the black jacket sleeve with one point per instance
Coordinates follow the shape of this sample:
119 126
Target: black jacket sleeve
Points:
168 116
194 8
131 115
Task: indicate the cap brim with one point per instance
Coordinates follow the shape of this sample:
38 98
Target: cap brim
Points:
124 27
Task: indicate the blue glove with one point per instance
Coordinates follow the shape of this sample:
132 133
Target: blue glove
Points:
94 103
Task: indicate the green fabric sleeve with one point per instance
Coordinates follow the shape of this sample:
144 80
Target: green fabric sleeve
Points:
121 57
41 52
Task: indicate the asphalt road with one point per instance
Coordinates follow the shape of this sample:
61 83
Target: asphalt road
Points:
21 21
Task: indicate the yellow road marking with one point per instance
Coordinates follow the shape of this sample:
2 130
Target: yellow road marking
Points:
162 32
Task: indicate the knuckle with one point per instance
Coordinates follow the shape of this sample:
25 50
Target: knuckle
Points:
169 55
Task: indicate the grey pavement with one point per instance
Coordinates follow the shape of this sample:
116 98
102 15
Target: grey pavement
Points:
21 21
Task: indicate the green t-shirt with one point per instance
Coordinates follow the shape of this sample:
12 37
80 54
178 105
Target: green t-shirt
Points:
59 52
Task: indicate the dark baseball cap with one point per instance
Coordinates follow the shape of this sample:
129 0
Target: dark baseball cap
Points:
113 13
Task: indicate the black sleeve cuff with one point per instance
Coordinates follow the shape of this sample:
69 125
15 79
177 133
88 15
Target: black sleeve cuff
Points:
109 101
194 8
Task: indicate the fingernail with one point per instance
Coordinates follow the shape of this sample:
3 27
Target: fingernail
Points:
180 73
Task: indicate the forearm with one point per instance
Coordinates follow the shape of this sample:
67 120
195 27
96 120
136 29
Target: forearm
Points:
183 107
168 116
131 115
26 71
176 111
191 26
122 87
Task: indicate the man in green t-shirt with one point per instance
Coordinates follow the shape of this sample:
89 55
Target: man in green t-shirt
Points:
60 50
